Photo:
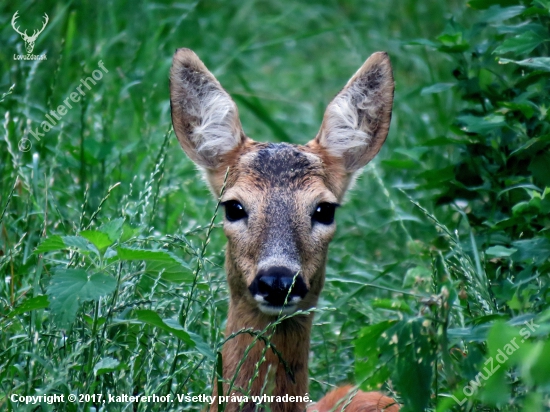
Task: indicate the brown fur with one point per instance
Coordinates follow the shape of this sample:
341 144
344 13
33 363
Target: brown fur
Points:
359 402
280 186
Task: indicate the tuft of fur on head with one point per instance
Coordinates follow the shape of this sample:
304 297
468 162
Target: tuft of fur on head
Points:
357 120
205 118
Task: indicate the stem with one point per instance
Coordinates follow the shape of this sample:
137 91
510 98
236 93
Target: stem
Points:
92 345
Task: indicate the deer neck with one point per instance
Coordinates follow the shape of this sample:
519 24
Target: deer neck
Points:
278 370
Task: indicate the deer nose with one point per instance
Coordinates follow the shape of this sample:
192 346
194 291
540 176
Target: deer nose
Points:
276 285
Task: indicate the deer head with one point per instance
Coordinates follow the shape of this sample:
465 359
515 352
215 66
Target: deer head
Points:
279 199
29 40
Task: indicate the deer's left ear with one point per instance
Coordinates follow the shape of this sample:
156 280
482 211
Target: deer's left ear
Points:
357 121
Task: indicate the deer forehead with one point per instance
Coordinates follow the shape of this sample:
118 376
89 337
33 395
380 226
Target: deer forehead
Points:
279 173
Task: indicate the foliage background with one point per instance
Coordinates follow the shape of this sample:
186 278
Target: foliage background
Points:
442 251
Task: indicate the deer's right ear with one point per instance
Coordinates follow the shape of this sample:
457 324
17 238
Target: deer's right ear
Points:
205 118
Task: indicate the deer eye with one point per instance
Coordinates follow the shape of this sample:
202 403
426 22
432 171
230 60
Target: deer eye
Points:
234 211
324 213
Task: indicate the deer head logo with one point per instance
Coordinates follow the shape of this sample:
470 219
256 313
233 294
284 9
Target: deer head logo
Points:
29 40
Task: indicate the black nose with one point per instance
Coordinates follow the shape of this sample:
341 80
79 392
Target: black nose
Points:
275 285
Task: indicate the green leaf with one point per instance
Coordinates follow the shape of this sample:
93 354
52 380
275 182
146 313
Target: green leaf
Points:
453 42
152 318
496 390
414 355
172 267
534 402
540 167
54 243
106 365
523 43
129 232
392 305
99 239
416 275
50 244
145 254
79 243
496 13
113 229
538 360
405 164
503 342
69 288
540 63
202 347
437 88
543 3
369 346
38 302
481 125
537 249
423 42
484 4
500 251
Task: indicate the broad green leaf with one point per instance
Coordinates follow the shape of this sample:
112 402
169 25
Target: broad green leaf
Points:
484 4
99 239
423 42
50 244
503 342
508 346
540 167
495 389
129 232
537 63
69 288
534 402
54 243
145 254
500 251
152 318
437 88
453 43
481 125
80 243
201 346
488 318
38 302
537 249
172 267
414 153
537 362
416 275
523 43
392 305
113 229
406 164
414 356
105 365
369 346
497 14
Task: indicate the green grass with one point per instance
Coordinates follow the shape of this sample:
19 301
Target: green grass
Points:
112 158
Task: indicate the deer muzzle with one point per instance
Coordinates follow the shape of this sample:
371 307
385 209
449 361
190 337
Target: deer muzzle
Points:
278 290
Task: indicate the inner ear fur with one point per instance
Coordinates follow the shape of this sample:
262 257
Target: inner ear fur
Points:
205 118
357 120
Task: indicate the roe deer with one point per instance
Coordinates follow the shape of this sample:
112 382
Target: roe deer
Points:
279 204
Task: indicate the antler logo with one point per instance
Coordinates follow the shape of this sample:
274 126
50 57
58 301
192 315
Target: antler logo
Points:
29 40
